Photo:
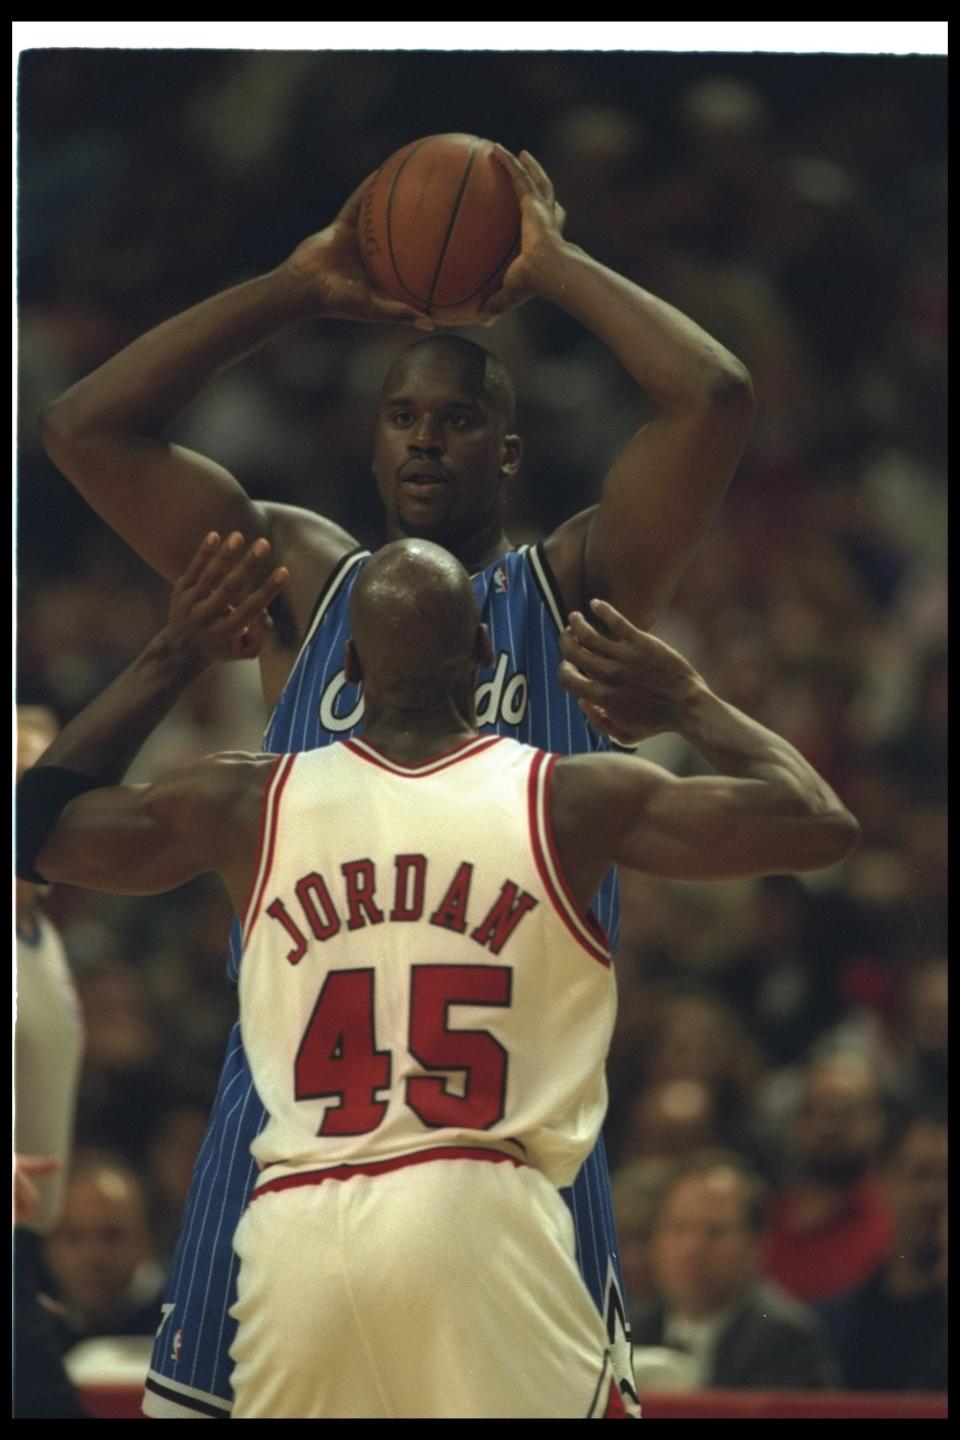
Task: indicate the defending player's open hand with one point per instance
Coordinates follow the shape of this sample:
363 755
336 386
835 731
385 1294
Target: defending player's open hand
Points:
542 222
330 266
218 609
629 684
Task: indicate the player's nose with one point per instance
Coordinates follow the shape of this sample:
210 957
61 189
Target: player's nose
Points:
427 435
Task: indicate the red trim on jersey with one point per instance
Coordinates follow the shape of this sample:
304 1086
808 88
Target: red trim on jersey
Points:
258 853
268 835
380 1167
362 747
562 900
616 1410
587 916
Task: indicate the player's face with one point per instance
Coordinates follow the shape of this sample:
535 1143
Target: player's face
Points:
441 457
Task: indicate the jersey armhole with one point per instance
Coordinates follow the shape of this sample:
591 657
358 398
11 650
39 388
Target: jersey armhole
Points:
582 925
266 842
330 587
546 583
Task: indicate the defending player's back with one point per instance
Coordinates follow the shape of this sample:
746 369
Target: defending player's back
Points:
411 958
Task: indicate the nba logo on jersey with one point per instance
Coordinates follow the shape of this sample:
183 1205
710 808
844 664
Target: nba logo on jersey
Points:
177 1345
501 584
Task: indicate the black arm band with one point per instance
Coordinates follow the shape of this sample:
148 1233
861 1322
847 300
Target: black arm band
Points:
42 794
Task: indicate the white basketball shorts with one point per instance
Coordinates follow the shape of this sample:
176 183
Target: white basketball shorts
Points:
444 1288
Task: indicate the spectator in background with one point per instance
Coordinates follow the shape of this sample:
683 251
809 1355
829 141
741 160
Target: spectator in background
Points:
123 1082
891 1332
48 1044
741 1331
700 1066
634 1189
669 1120
101 1256
831 1224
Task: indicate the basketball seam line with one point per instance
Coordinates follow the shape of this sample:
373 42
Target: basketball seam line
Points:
453 219
462 300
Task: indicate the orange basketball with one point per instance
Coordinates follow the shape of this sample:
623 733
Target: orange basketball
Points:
439 223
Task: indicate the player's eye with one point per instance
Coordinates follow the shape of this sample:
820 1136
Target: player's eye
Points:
401 417
458 422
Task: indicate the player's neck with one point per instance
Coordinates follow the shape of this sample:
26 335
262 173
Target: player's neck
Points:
410 738
479 551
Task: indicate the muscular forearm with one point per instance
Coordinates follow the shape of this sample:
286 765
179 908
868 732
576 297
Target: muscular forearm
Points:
675 362
143 388
104 738
737 746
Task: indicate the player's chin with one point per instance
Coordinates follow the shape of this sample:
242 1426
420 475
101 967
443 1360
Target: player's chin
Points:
424 521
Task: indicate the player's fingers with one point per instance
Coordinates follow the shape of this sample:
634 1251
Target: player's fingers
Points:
601 720
592 639
204 552
242 582
192 596
250 609
522 180
587 658
573 679
390 312
615 622
598 717
227 571
540 176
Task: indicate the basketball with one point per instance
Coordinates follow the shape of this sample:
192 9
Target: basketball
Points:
439 224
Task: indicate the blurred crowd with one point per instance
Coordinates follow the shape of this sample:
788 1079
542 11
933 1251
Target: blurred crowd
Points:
779 1073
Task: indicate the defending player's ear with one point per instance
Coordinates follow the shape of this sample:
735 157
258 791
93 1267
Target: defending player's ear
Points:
512 455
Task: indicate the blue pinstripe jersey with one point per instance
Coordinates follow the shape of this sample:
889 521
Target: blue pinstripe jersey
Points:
519 696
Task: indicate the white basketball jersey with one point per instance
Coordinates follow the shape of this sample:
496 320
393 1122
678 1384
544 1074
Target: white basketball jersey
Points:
415 973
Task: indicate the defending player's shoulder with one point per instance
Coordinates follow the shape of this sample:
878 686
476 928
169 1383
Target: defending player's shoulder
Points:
229 778
214 797
594 798
590 790
210 811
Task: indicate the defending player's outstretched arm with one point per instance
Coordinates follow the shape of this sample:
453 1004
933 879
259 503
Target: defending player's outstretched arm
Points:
665 487
142 839
766 811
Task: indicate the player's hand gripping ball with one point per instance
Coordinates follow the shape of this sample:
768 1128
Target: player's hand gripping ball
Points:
439 224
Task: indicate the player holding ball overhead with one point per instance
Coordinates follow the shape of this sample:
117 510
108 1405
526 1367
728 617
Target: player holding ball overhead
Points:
444 455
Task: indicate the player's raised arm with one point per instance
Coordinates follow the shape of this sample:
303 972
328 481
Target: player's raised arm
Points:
766 811
78 826
665 487
107 433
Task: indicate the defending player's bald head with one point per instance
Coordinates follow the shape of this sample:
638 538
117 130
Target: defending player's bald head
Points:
477 370
415 624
